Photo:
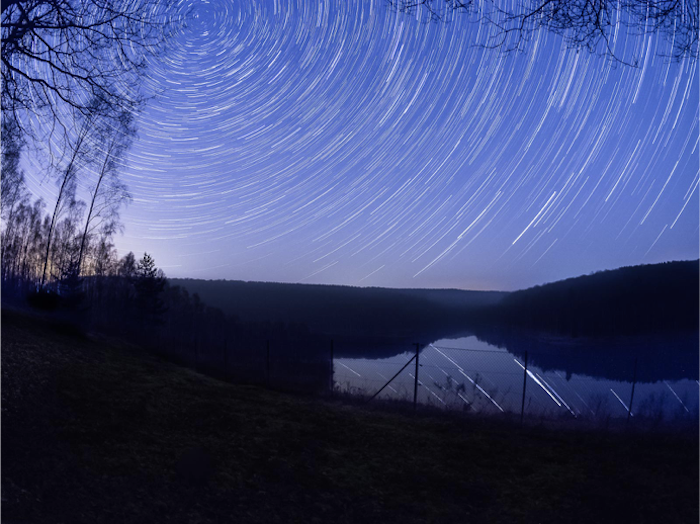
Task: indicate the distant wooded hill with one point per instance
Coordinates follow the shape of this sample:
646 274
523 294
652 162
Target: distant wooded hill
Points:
633 300
342 310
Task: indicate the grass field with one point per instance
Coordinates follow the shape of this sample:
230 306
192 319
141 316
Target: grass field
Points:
97 431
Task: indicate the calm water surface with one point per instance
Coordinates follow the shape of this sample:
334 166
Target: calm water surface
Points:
469 374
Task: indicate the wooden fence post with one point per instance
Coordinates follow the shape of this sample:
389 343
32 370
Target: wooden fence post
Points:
415 382
332 384
522 407
634 382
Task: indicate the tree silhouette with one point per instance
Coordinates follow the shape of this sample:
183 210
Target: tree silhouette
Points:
109 192
586 24
127 266
58 56
67 185
149 283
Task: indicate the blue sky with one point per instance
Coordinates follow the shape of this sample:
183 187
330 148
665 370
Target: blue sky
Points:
339 142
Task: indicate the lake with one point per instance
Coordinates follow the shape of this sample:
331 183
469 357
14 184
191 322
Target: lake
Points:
565 377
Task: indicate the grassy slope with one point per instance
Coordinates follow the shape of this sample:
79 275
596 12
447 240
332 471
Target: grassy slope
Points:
93 432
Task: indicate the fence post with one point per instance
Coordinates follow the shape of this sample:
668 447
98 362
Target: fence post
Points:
634 382
267 364
415 382
392 378
522 407
332 370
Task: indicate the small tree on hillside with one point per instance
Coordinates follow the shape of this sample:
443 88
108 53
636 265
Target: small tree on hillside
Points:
70 286
127 266
150 283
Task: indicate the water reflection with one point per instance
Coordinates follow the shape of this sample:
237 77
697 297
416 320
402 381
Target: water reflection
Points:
663 357
470 374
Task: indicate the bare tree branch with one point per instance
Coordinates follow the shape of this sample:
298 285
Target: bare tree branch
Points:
58 56
584 24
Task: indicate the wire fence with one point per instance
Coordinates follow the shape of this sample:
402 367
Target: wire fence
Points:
531 385
492 382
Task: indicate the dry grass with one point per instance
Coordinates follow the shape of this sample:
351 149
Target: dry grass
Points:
99 432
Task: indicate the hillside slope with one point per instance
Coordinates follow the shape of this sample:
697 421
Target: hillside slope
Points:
636 300
94 432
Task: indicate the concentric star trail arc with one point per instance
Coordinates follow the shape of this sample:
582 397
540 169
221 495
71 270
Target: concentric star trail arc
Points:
342 142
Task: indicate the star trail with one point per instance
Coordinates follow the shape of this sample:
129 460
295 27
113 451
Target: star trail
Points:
345 143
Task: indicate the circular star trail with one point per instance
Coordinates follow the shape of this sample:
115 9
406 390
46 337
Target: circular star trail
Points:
341 142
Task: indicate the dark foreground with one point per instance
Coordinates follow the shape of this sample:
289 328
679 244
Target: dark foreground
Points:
99 432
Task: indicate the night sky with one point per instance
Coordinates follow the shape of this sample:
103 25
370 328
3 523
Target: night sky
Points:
339 142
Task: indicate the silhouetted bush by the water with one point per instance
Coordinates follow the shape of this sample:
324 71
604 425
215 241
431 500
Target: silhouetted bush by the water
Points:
44 300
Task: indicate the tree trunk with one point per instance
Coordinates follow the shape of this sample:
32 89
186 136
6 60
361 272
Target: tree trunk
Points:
67 177
103 172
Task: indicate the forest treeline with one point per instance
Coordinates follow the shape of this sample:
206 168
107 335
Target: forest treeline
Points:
629 301
344 310
61 259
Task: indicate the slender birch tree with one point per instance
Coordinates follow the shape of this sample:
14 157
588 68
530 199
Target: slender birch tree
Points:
109 193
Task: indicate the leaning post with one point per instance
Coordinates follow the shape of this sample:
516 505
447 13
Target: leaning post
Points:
225 359
332 384
634 382
522 407
267 364
415 382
